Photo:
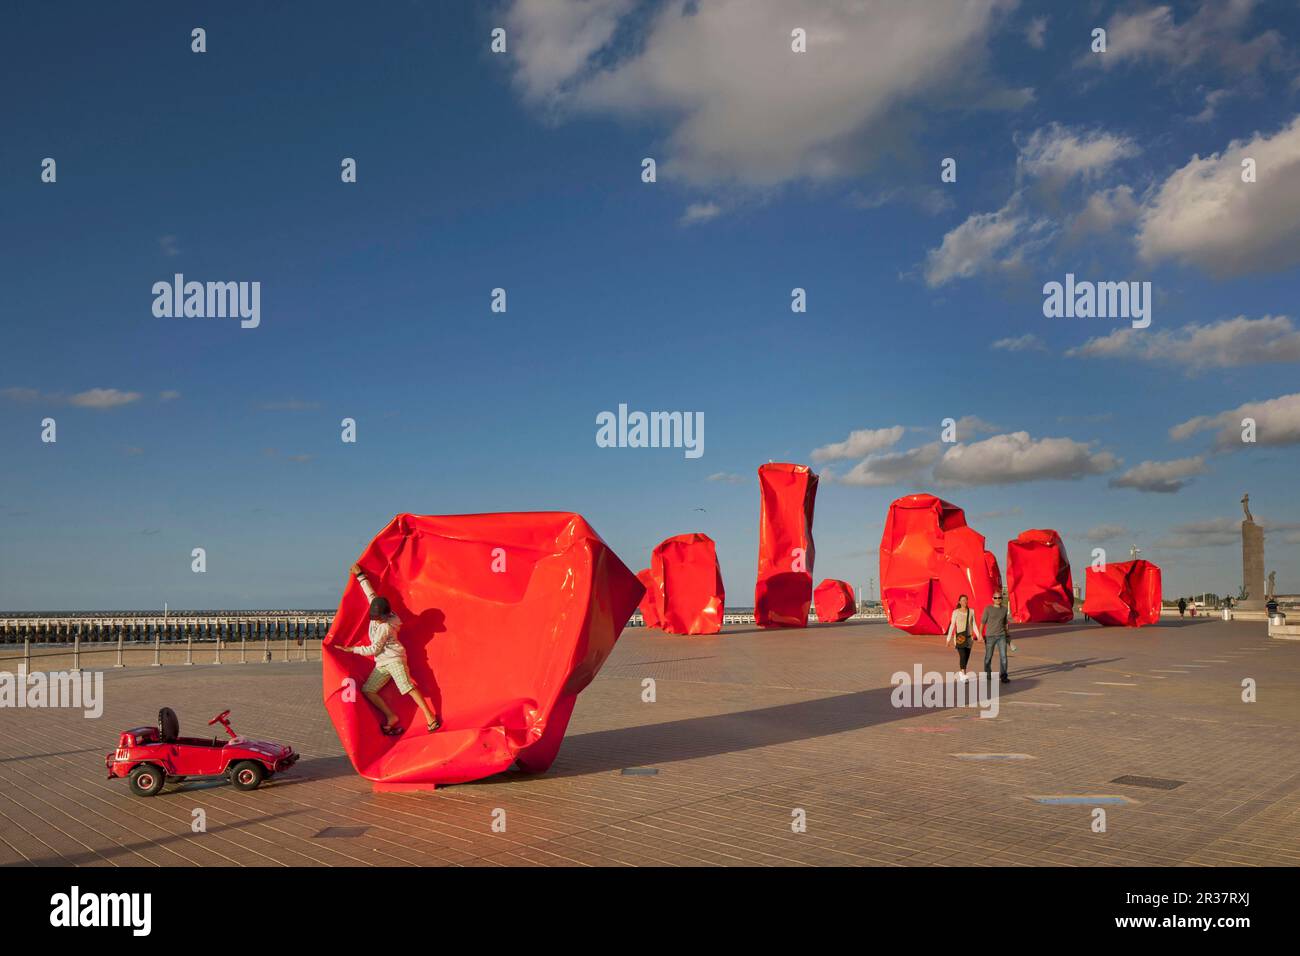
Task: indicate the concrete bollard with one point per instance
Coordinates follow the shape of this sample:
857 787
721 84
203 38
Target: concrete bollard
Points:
76 652
119 650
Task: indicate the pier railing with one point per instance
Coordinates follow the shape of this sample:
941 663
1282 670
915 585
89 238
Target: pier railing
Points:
36 641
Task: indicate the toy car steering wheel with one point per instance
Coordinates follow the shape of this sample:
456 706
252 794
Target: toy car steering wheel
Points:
220 718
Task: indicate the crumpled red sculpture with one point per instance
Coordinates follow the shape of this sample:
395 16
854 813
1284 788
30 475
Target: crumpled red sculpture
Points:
691 597
928 559
1039 583
652 601
505 618
834 601
1124 594
783 592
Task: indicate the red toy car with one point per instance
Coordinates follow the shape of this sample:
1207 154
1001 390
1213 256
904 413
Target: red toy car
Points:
150 757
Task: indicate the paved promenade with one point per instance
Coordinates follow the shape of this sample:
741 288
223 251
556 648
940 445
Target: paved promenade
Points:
748 728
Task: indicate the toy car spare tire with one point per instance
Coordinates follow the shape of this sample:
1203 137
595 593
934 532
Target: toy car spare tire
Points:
146 780
247 775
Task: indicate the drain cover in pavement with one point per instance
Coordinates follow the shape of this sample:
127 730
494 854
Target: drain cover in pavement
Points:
639 771
345 832
1155 783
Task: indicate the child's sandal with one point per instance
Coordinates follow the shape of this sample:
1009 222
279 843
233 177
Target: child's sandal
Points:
437 722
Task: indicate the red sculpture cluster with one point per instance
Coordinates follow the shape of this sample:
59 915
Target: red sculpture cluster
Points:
929 557
684 592
1039 584
783 592
834 601
1126 594
505 619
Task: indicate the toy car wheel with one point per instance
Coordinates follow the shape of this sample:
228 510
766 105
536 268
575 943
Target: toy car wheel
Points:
146 780
247 775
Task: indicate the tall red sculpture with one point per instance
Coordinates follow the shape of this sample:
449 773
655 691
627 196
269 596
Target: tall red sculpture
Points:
1126 594
651 605
688 581
783 593
1039 584
505 619
928 559
834 601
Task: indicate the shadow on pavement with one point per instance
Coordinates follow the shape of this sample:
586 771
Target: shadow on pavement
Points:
695 737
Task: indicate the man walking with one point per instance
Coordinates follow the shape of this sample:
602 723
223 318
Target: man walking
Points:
997 632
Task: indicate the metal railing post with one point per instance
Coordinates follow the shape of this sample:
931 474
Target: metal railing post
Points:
157 646
189 645
119 649
27 654
76 651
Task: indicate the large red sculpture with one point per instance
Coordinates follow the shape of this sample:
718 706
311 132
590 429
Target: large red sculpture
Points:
834 601
689 580
505 618
651 605
1039 584
1126 594
783 593
928 559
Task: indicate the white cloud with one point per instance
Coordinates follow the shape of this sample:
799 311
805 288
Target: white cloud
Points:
1016 457
1162 477
1213 34
983 242
929 199
1229 343
999 460
1057 154
168 396
1211 109
742 107
698 212
1021 343
728 477
1217 532
1105 532
1204 215
1199 534
103 398
860 443
1277 422
100 398
1036 33
167 246
1051 157
1103 211
893 467
972 424
554 40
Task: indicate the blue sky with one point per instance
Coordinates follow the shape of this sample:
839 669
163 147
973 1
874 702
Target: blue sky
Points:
818 170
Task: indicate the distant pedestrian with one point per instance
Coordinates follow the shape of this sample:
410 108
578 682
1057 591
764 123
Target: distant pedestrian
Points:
997 634
1182 606
963 632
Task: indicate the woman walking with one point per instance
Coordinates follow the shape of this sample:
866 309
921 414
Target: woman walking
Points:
963 630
